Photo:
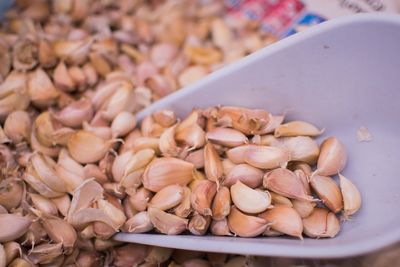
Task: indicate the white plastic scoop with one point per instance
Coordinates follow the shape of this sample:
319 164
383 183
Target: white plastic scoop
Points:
340 75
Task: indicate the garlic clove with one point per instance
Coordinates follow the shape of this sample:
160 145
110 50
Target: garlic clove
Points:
166 171
139 223
102 132
304 180
121 100
284 182
266 157
192 135
273 123
296 128
227 165
301 166
71 180
140 199
303 208
45 253
123 123
11 251
114 213
167 223
321 223
196 158
351 196
202 196
245 225
332 158
212 163
17 126
75 113
168 146
118 167
94 171
277 199
150 128
11 194
60 231
62 78
249 200
82 218
167 198
13 226
146 142
184 208
284 219
221 205
198 224
139 160
226 137
41 89
244 173
68 163
237 154
220 228
62 204
328 191
165 117
43 204
301 148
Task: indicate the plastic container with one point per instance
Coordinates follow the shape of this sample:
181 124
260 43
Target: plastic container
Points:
341 75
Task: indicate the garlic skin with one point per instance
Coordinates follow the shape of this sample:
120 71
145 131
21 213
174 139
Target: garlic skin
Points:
249 200
351 196
332 158
17 126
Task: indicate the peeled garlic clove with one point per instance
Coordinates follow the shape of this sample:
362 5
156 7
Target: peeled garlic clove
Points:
43 204
60 231
296 128
166 171
246 174
284 219
167 223
220 228
277 199
139 223
303 208
17 126
198 224
86 147
165 117
332 158
266 157
221 205
328 191
245 225
192 135
168 146
140 199
351 196
196 158
321 223
212 163
302 148
249 200
202 196
75 113
123 123
184 208
226 137
167 198
41 89
13 226
284 182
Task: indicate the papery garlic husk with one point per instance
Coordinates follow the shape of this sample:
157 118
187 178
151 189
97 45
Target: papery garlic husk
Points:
168 146
302 148
351 196
165 117
130 255
198 224
17 126
273 123
62 203
245 225
212 163
321 223
249 200
202 196
140 199
43 204
167 223
11 193
192 135
167 198
35 234
75 113
139 223
86 147
226 137
13 226
303 208
45 253
184 209
139 160
277 199
60 231
284 219
266 157
41 89
328 191
246 174
221 205
123 123
11 250
166 171
296 128
284 182
196 158
332 158
220 228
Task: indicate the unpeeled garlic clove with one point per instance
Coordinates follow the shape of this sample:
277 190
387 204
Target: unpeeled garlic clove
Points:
114 189
184 208
130 255
321 223
166 171
296 128
266 157
192 135
75 113
68 163
284 182
237 154
332 158
41 89
123 123
304 167
277 199
272 233
139 160
351 196
60 231
328 191
13 226
249 200
220 228
138 223
196 158
168 146
221 205
198 224
19 262
273 123
119 164
102 230
202 196
62 78
246 174
94 171
245 225
227 165
17 126
303 208
140 199
11 193
114 213
226 137
150 128
62 203
45 253
167 223
212 163
284 219
165 117
101 131
43 204
121 100
11 250
304 180
70 179
146 142
167 198
302 148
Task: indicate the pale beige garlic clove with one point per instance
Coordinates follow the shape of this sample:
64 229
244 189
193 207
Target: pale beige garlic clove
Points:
67 162
249 200
43 204
17 126
146 142
167 198
321 223
245 225
296 128
150 128
45 253
184 209
304 180
104 92
129 140
277 199
226 137
24 54
13 226
75 113
166 171
104 132
328 191
138 223
351 196
73 51
70 179
165 117
60 231
221 205
192 74
62 78
62 204
301 148
11 250
273 123
140 199
212 163
266 157
41 89
304 167
196 158
202 195
303 208
157 256
284 182
130 255
167 144
284 219
198 224
123 123
244 173
192 135
133 180
11 194
102 230
121 100
94 171
220 228
167 223
332 158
